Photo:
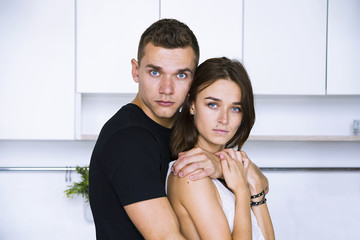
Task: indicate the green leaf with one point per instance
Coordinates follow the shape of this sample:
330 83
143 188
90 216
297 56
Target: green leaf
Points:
80 188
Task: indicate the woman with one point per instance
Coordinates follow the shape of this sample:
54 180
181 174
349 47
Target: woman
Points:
218 115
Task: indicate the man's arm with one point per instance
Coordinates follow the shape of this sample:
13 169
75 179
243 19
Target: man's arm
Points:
155 219
208 163
136 179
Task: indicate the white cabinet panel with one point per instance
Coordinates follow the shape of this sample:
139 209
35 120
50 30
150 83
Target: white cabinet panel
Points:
216 24
108 33
285 46
343 47
37 69
314 205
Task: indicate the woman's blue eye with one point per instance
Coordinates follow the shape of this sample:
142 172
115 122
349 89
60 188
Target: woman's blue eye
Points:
212 105
154 73
181 75
236 109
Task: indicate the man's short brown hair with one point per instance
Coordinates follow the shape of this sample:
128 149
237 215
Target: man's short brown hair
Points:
169 33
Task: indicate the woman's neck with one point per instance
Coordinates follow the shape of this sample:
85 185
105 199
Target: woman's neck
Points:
213 148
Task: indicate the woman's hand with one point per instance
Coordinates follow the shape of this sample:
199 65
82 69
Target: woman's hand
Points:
234 171
256 179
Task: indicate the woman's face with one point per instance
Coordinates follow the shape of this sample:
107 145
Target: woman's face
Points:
217 114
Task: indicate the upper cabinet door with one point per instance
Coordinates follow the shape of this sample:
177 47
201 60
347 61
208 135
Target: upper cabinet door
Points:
37 73
218 25
285 46
343 47
108 34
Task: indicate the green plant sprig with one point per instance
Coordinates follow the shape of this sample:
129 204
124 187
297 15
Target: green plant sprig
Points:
82 187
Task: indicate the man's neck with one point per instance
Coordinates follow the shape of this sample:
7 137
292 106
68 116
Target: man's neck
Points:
165 122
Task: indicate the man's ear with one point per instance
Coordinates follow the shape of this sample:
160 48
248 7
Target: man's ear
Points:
192 109
135 70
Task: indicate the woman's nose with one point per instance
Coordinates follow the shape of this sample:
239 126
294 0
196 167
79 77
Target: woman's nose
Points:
223 117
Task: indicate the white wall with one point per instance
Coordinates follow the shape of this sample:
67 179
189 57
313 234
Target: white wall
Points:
306 204
303 205
33 204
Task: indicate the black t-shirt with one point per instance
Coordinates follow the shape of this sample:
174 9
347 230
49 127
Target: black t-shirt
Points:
129 164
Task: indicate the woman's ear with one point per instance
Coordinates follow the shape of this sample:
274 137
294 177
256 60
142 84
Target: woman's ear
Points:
135 70
192 108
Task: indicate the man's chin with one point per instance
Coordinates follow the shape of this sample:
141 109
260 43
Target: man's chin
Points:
168 113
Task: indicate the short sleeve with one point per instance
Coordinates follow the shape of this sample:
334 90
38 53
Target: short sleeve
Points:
132 161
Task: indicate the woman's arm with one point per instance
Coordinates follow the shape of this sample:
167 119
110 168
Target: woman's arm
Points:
235 177
255 180
198 208
263 218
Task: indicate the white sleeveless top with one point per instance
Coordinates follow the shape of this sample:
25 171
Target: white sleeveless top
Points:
228 206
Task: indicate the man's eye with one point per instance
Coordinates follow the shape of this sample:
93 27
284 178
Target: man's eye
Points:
154 73
181 75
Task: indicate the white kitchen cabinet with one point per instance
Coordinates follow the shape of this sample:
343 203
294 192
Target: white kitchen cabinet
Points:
285 46
313 205
343 67
37 69
218 25
108 33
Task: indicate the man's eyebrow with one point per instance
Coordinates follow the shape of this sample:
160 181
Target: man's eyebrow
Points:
185 70
157 68
219 100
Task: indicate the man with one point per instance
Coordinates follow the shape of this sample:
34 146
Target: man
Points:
130 159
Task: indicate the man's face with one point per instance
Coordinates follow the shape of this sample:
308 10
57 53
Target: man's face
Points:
164 77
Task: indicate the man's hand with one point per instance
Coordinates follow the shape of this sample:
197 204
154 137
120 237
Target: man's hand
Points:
205 164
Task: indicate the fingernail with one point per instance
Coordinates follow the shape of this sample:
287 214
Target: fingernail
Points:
181 174
221 156
191 177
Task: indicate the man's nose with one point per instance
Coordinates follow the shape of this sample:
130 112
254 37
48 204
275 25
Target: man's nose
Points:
166 85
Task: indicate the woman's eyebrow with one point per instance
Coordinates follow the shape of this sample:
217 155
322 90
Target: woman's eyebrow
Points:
219 100
213 98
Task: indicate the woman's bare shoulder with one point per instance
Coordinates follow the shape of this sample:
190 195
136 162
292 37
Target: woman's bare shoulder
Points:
184 187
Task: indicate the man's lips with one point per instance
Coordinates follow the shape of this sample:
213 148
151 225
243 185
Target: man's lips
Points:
165 103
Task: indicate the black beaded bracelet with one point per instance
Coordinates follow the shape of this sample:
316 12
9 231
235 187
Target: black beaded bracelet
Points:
258 195
254 204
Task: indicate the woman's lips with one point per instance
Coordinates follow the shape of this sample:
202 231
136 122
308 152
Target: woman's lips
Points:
220 131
